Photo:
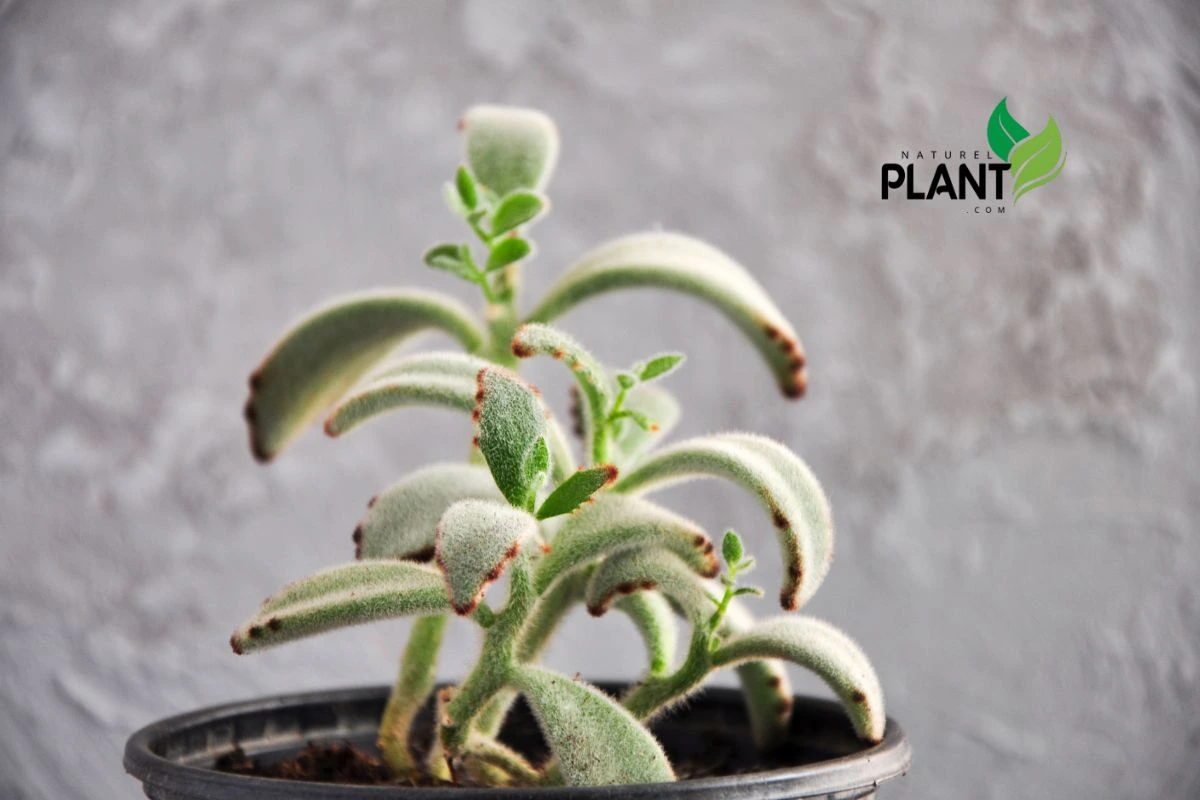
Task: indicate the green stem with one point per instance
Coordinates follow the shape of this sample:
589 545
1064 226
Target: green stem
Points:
494 669
655 693
413 684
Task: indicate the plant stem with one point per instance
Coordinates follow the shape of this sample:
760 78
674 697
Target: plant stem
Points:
494 669
413 684
656 693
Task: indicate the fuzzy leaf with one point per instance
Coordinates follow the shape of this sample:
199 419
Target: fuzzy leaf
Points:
464 183
626 380
510 148
683 264
615 523
790 499
323 355
654 619
825 650
732 549
512 427
595 740
646 569
531 340
418 671
660 366
659 407
476 539
517 209
367 401
508 251
336 598
575 490
402 521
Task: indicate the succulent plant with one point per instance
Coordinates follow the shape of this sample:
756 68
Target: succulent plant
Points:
563 532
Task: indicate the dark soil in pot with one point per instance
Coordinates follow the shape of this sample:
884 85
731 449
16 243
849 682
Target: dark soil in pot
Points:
224 753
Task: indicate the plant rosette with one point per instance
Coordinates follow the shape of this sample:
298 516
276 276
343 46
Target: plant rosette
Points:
559 530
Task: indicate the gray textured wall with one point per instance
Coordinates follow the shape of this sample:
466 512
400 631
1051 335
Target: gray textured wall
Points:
1004 411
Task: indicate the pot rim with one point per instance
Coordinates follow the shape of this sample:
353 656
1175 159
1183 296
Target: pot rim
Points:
865 768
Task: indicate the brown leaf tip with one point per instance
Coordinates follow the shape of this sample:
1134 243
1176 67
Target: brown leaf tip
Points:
521 350
858 696
357 538
597 610
788 600
236 645
374 499
249 411
610 474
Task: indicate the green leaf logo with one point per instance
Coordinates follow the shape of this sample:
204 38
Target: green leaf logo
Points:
1036 160
1003 130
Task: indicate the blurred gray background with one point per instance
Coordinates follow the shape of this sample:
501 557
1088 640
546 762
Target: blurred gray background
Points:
1003 410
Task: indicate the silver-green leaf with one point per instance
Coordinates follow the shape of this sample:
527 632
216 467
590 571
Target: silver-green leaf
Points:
683 264
325 353
510 148
402 520
576 490
342 596
825 650
595 741
476 540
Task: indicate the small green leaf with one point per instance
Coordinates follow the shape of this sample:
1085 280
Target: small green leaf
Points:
508 251
571 493
1003 130
732 549
517 209
453 200
595 741
509 148
659 366
627 380
656 406
449 258
512 426
475 541
342 596
745 590
466 187
640 419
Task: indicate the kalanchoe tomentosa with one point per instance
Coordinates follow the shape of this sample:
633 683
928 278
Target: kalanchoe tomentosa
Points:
430 545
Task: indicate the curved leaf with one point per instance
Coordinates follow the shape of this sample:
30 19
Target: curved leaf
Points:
510 148
646 569
765 687
825 650
322 356
595 740
683 264
476 540
654 619
787 498
615 523
438 380
534 339
511 422
342 596
402 521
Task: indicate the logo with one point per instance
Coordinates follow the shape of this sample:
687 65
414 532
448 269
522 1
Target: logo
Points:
1033 160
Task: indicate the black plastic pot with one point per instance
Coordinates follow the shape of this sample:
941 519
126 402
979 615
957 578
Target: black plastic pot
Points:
174 758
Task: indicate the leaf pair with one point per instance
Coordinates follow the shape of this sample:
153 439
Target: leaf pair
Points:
511 424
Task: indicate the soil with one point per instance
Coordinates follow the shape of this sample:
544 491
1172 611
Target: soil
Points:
344 762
